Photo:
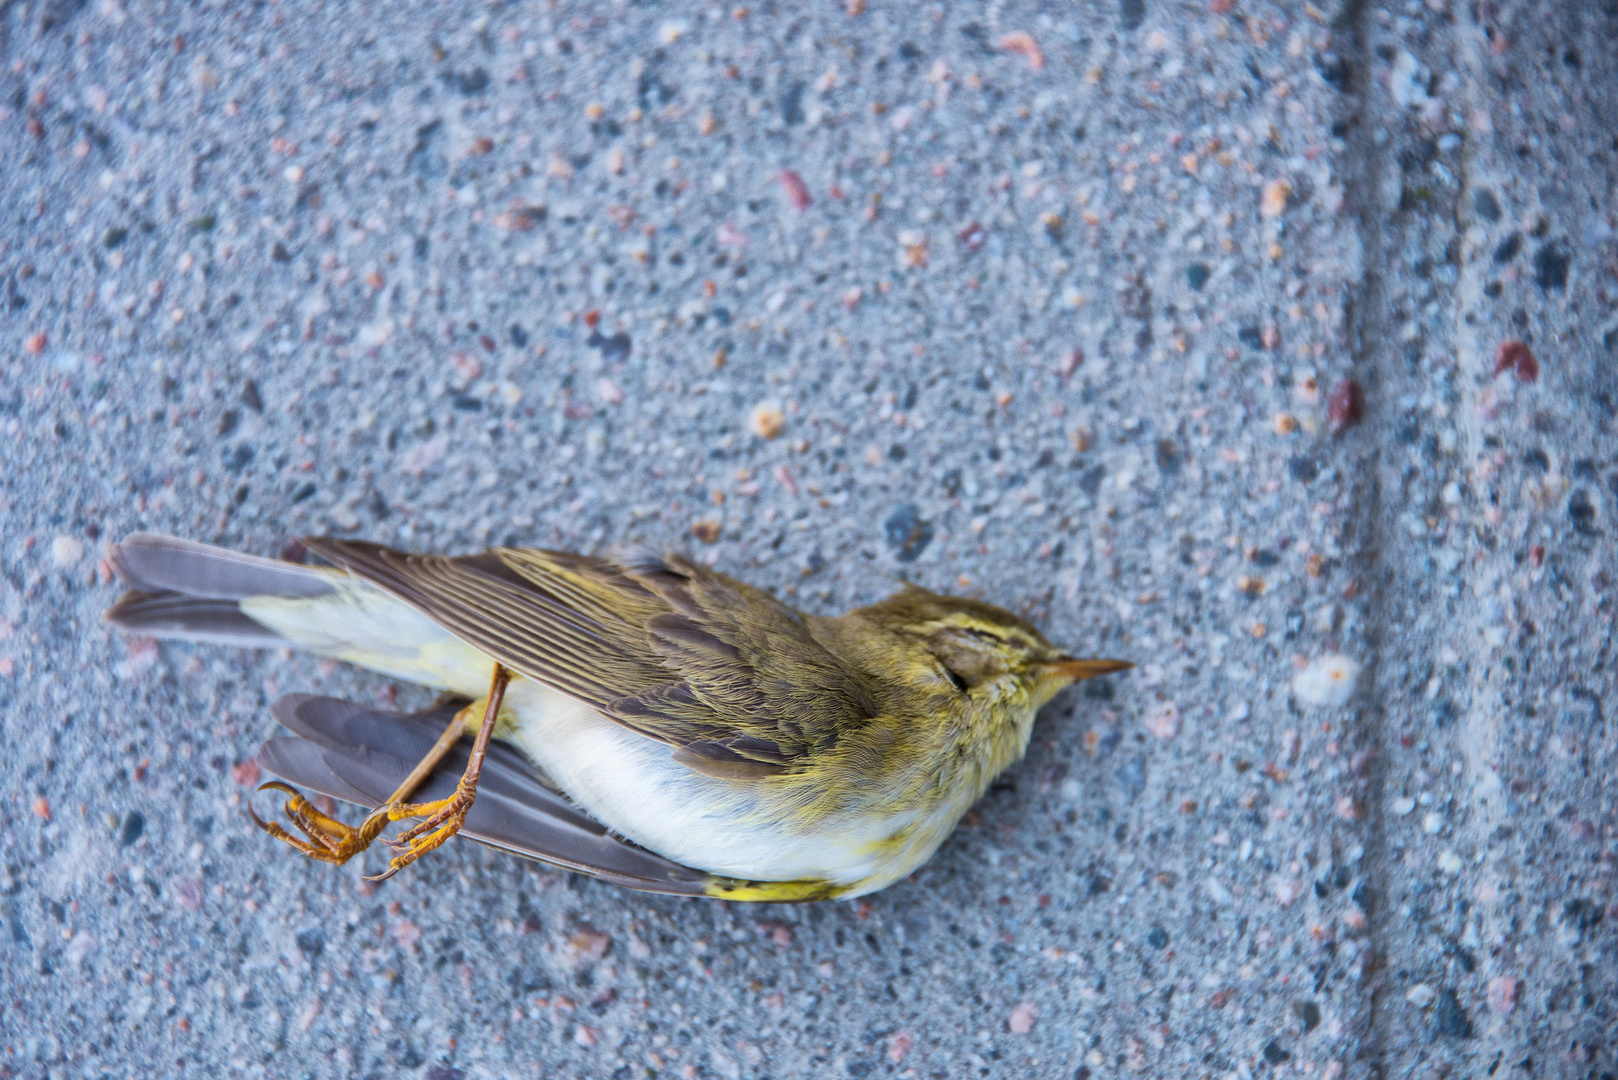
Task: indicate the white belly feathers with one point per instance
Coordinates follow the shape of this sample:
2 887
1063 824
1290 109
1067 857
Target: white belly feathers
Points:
632 783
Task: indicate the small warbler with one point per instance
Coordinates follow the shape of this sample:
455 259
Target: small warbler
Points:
659 724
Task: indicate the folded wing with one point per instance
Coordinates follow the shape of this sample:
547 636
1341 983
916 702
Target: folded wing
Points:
724 673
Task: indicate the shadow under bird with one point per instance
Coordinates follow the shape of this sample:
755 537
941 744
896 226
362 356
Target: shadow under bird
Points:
639 718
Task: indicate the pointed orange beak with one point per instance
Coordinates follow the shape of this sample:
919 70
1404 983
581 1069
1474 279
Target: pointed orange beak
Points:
1079 670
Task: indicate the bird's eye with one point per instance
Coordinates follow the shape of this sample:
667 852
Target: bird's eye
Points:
984 635
967 658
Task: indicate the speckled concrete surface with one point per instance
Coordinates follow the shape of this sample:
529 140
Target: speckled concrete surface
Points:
1173 325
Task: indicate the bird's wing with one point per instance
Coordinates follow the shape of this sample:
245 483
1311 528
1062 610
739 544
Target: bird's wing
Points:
725 673
360 755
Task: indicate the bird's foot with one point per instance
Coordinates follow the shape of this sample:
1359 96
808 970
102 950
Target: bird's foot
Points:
328 839
444 819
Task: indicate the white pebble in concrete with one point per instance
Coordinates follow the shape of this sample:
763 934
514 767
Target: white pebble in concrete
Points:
1328 681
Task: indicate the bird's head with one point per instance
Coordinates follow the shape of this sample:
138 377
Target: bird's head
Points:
983 652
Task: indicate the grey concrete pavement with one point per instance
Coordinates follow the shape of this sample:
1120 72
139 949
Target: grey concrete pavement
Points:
1185 328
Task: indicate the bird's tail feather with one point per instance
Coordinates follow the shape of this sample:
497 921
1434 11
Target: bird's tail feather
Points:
183 589
150 563
189 618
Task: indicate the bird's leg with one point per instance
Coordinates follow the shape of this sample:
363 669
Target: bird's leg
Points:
446 816
331 841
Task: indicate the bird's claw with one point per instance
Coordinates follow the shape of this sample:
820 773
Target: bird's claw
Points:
444 819
328 839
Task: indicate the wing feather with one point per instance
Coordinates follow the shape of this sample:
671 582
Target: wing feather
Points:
671 649
360 755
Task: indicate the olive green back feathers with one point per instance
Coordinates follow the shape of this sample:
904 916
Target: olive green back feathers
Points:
724 672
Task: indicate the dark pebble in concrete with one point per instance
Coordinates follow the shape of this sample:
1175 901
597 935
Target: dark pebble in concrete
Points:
1449 1018
1550 267
906 533
1132 776
1274 1054
614 348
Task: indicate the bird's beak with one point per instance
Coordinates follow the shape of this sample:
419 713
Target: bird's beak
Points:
1078 670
